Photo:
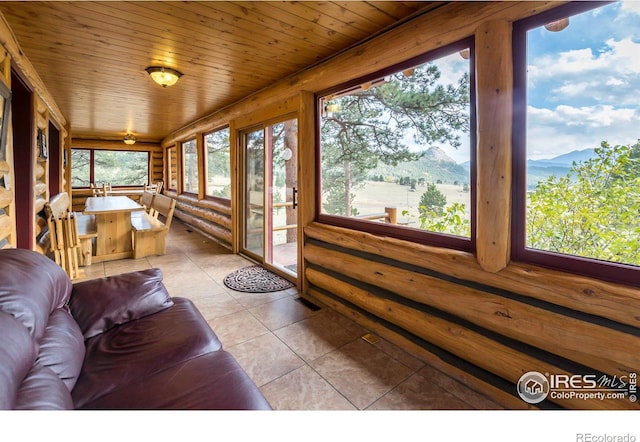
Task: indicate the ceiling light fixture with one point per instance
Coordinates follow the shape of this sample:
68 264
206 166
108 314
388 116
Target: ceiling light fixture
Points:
163 76
129 139
558 25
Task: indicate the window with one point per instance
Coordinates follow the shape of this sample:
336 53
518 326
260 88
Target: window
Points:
190 162
218 164
117 167
395 150
172 158
80 168
576 140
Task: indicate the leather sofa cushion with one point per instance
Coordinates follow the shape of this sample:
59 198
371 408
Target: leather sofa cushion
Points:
17 353
31 287
214 381
100 304
130 353
62 347
42 389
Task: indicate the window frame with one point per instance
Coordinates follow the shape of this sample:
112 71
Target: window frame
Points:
184 168
92 177
169 168
425 237
206 164
605 270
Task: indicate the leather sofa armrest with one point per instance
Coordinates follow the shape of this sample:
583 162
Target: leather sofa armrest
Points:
98 305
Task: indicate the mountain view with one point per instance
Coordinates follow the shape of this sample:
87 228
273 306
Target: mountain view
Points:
559 166
436 166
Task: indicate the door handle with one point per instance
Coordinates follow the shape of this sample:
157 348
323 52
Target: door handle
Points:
295 197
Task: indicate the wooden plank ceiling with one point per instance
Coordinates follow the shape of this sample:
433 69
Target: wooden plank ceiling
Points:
92 55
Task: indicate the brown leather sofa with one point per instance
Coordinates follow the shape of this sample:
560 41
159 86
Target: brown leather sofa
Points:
119 342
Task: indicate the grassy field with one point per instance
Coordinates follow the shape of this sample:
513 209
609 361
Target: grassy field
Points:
375 196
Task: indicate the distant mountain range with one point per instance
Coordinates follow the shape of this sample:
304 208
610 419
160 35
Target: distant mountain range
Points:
565 160
559 166
435 165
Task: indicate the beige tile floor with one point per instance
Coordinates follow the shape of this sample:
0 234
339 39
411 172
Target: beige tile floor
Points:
300 358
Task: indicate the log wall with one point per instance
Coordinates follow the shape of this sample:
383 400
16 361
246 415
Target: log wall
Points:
497 326
7 203
45 110
211 217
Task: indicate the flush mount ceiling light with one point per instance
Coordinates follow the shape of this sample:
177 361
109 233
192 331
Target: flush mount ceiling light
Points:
163 76
558 25
129 139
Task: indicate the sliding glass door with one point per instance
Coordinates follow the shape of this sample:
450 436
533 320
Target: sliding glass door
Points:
271 195
254 194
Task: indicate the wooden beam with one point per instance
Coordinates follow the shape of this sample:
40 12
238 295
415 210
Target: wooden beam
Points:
306 174
201 156
494 89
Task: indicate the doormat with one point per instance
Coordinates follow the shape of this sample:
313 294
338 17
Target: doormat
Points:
256 279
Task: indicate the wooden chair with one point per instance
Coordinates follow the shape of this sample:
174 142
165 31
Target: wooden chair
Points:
148 234
96 191
70 235
155 187
146 200
106 189
150 188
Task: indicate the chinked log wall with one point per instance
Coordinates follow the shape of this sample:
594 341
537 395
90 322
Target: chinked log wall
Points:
492 326
210 217
479 318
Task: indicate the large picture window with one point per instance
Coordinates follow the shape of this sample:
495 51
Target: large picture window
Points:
395 150
576 140
115 167
218 164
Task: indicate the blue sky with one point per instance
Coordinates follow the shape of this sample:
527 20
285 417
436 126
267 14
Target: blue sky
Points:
584 82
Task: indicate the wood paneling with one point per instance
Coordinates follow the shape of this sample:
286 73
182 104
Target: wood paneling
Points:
92 55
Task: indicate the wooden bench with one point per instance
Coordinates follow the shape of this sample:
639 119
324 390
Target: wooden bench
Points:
149 232
146 200
70 234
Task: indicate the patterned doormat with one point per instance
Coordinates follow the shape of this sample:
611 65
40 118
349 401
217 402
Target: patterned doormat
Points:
256 279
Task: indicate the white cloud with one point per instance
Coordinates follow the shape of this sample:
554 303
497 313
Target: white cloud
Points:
615 82
572 89
551 132
617 58
630 7
589 94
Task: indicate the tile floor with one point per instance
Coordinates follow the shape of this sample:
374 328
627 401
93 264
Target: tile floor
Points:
300 358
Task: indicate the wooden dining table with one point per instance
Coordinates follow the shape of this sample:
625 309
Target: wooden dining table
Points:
113 224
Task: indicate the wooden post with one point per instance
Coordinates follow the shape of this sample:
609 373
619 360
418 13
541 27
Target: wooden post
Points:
201 155
306 176
494 89
392 215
